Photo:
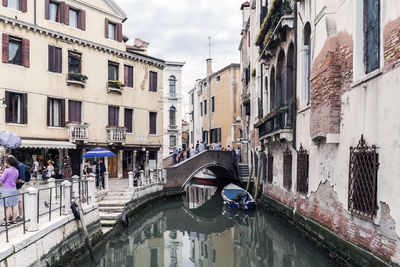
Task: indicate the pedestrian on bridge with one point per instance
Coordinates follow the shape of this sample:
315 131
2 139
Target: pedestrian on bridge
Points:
175 154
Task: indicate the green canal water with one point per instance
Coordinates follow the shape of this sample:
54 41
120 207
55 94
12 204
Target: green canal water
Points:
198 231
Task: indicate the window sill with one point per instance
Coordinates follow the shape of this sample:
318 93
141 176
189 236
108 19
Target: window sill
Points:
153 135
17 124
17 10
304 109
56 73
367 77
130 133
16 65
56 127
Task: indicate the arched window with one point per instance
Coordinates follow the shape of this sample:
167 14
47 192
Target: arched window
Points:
280 80
172 112
289 101
265 97
272 90
172 84
307 62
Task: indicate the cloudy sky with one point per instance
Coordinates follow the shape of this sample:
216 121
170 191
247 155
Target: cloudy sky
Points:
178 30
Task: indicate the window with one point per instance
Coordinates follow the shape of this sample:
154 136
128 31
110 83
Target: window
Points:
55 112
14 4
55 59
201 108
371 34
270 170
54 12
73 18
363 176
172 85
128 76
153 81
74 62
306 66
302 170
215 135
15 51
172 121
128 120
113 71
113 116
218 78
111 31
152 123
74 111
205 136
213 104
172 141
16 110
205 107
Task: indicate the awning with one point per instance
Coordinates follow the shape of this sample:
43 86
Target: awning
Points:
46 144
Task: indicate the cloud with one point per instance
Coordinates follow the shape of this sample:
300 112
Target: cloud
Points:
178 30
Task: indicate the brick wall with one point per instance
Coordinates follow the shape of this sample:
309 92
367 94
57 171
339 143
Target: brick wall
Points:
391 45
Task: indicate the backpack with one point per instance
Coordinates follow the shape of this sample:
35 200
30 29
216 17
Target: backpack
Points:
27 174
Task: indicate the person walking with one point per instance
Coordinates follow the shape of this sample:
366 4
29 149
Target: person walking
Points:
201 146
192 152
100 170
217 146
9 189
49 170
188 153
181 155
87 169
21 188
67 167
175 154
34 170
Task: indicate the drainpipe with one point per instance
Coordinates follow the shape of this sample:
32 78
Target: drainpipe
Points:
34 13
295 79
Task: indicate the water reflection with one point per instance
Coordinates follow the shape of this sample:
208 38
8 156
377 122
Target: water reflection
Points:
175 234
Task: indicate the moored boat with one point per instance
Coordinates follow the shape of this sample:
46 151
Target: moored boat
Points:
205 179
236 197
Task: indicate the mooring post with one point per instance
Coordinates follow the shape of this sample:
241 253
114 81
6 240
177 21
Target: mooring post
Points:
75 185
130 180
53 189
151 178
142 181
92 189
31 209
106 181
66 187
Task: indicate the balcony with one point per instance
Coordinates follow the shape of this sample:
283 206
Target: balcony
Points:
76 79
172 127
116 135
78 132
115 86
277 123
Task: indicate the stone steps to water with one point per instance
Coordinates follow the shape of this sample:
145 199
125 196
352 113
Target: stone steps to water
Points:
112 209
106 229
119 193
109 216
108 223
118 197
112 203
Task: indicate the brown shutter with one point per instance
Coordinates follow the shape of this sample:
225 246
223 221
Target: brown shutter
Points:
82 20
48 111
106 28
155 81
7 98
78 110
5 3
62 124
58 60
46 9
70 109
25 53
126 75
24 5
62 12
151 81
5 48
51 58
128 120
119 32
66 14
24 110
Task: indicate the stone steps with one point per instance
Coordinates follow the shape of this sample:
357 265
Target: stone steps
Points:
106 229
127 198
106 216
112 209
119 193
112 203
106 223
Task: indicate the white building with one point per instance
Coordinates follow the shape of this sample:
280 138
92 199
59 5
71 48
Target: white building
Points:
172 103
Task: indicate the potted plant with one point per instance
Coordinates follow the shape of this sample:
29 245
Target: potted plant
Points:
287 7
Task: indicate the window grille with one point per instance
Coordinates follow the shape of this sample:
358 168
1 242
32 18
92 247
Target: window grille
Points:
264 166
270 174
363 172
287 169
302 170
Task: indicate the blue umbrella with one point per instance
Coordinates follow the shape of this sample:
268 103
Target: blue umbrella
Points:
9 140
98 153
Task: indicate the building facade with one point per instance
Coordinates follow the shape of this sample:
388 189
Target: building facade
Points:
59 104
172 136
328 78
216 100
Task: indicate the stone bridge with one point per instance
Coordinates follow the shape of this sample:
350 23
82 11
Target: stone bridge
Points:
221 163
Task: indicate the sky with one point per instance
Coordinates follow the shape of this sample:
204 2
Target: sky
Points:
178 30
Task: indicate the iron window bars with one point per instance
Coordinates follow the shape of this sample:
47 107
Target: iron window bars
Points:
287 169
302 170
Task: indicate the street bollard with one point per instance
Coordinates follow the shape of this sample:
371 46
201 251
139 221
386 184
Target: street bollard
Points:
160 175
31 209
142 181
66 187
52 185
75 186
151 178
130 180
106 181
92 189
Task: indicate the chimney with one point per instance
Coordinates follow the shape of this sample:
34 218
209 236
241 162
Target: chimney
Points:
209 67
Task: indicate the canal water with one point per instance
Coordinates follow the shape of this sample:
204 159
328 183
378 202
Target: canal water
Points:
198 231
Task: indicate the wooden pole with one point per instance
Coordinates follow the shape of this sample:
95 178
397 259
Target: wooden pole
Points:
258 179
85 229
250 173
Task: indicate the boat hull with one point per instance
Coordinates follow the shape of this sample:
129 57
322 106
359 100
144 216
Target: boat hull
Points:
237 198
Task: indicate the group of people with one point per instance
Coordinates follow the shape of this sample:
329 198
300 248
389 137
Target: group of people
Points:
98 168
180 155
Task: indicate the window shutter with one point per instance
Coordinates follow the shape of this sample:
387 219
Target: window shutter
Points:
66 14
5 48
126 78
79 111
25 53
24 5
218 134
48 111
46 9
58 60
128 120
106 28
109 116
82 20
119 32
62 107
70 110
151 81
62 12
7 96
51 58
5 3
155 81
24 110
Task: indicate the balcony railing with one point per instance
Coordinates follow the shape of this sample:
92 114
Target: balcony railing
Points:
76 79
78 132
280 119
115 86
116 135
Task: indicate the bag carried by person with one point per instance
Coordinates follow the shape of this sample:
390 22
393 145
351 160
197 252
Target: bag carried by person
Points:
27 174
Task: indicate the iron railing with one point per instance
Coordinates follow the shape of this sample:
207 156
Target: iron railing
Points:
363 172
287 169
82 188
51 205
7 227
279 119
270 173
302 170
